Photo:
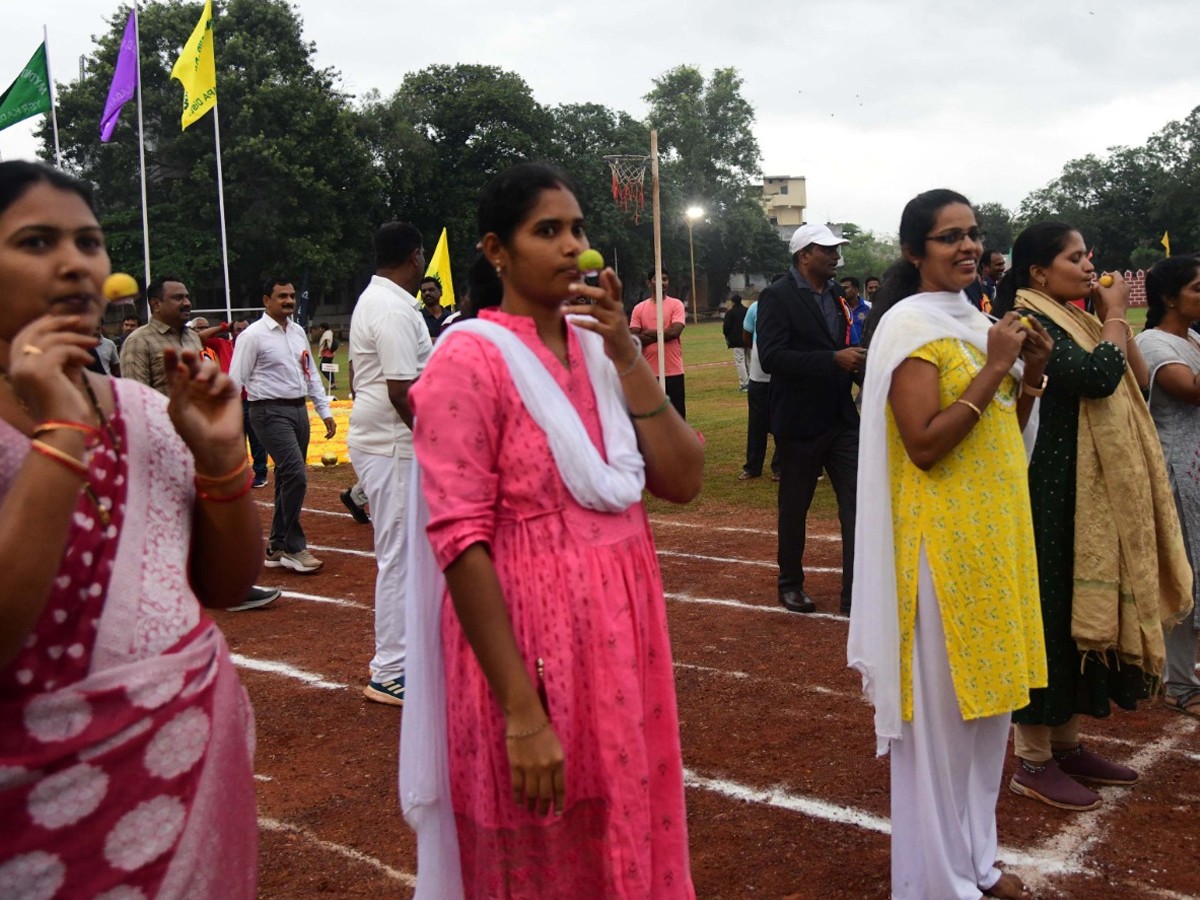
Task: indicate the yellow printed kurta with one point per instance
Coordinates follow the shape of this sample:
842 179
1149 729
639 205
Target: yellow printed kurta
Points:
971 511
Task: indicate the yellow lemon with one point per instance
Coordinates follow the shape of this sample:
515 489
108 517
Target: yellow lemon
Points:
1106 281
118 286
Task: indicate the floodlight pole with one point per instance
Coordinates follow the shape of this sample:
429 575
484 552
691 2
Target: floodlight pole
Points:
658 291
692 257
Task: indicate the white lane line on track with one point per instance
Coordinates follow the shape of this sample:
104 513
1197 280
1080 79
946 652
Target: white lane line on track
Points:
307 509
263 778
280 668
729 673
325 549
768 532
847 815
334 601
738 604
743 562
405 878
1074 842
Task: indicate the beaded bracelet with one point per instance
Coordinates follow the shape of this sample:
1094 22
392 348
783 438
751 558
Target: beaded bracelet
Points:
527 734
224 498
76 466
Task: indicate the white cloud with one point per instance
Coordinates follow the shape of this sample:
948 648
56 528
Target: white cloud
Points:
872 101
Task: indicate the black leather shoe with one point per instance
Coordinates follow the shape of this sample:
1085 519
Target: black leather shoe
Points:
797 602
360 514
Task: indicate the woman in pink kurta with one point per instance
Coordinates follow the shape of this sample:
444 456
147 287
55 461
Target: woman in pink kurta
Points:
564 759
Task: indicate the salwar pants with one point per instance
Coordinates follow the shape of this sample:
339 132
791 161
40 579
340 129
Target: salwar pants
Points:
946 775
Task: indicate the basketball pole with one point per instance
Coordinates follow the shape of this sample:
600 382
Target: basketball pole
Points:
658 292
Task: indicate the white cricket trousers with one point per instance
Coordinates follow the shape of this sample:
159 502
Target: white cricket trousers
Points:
946 775
385 479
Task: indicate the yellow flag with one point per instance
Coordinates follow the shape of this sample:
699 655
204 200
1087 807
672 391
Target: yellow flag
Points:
439 265
196 70
1166 242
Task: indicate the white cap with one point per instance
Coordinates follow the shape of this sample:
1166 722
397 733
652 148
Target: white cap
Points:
814 234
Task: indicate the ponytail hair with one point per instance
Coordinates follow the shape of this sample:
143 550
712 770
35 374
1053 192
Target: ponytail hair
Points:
1037 245
483 287
903 279
1164 281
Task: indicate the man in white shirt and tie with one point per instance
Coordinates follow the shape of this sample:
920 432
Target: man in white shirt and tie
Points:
389 346
272 360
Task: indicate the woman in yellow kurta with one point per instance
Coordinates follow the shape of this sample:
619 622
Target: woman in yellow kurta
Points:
948 636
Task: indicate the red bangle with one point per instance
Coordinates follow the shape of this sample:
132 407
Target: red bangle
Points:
76 466
92 432
225 498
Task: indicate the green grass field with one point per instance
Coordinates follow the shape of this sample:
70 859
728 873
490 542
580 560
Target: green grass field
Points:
717 409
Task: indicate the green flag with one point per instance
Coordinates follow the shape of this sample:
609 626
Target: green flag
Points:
29 94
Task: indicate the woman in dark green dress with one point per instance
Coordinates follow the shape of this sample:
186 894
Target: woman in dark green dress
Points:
1093 423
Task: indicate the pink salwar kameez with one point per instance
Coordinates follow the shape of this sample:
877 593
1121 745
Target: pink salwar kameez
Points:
585 597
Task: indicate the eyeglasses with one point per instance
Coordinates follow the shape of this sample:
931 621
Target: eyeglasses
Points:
955 236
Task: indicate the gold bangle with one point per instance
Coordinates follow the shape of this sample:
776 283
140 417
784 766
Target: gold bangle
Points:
1125 322
971 406
527 734
77 466
661 408
221 479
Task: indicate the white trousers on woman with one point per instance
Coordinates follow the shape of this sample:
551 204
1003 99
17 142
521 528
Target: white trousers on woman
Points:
946 775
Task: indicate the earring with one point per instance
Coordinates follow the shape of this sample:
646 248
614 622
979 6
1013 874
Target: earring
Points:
1041 282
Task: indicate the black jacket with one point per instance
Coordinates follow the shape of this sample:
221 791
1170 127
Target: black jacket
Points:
735 317
809 394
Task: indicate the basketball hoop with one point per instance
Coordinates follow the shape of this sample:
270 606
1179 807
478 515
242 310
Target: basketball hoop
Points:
628 173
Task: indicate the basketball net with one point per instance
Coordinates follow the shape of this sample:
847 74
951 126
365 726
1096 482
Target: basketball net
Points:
628 174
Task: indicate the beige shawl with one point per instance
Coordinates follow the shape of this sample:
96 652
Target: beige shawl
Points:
1132 575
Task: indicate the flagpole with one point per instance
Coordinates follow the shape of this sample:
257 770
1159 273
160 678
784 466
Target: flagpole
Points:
50 84
137 44
221 212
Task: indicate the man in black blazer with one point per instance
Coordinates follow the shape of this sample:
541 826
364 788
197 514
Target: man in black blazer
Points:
804 343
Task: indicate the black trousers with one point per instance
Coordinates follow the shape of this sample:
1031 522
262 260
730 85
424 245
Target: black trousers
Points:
258 453
674 389
757 423
801 461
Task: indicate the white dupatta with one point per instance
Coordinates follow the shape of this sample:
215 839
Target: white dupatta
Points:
874 644
608 487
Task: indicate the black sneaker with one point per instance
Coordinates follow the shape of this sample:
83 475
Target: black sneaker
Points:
258 598
360 514
260 481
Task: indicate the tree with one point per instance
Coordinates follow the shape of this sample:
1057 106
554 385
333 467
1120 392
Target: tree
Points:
710 157
581 135
1110 201
299 187
997 222
866 254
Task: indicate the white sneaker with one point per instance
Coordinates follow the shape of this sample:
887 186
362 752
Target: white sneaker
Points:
301 561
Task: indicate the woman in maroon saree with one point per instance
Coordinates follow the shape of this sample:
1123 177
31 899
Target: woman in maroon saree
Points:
126 739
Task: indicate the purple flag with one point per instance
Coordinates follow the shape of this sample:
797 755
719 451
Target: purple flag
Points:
124 82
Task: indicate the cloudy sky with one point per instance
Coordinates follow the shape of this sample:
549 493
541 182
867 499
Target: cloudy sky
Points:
871 100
